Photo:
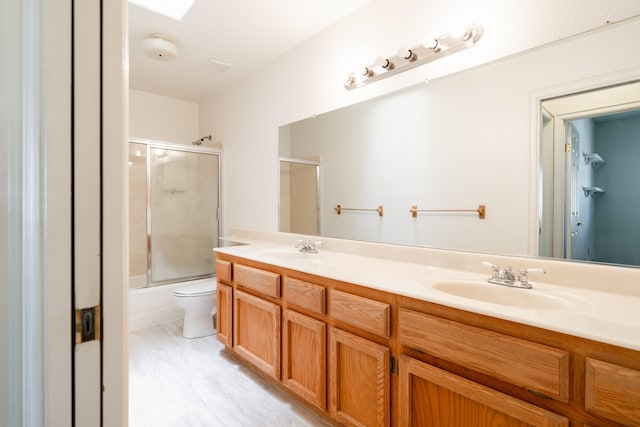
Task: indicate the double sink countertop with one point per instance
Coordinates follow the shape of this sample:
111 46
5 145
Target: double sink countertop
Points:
600 315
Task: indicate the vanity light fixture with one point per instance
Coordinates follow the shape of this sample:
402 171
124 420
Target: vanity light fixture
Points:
406 59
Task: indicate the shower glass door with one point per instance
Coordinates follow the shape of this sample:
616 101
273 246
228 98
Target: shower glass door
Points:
182 214
173 212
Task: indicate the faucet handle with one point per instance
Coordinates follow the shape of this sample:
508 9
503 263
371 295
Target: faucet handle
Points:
490 265
524 272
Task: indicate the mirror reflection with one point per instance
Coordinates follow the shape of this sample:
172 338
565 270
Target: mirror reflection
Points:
456 143
591 140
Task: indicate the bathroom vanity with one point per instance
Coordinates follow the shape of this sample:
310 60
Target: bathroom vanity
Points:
372 342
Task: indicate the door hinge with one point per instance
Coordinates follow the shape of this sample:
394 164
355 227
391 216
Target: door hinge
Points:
567 148
393 365
87 324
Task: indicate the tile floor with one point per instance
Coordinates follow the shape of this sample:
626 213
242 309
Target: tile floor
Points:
178 382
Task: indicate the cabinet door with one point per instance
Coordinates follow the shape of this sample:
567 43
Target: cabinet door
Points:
256 332
359 375
613 391
224 314
430 396
304 358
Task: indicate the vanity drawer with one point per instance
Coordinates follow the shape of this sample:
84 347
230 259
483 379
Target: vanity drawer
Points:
305 295
364 313
223 270
612 391
258 280
536 367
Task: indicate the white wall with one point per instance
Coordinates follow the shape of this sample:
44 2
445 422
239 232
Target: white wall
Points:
308 79
160 118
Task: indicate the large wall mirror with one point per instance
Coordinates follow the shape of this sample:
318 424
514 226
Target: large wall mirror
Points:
416 166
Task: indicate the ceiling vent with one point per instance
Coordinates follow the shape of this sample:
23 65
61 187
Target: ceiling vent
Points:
216 65
158 46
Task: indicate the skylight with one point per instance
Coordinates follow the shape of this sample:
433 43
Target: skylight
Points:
174 9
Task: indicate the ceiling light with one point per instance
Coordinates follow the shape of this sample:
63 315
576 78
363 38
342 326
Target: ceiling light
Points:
174 9
158 46
406 59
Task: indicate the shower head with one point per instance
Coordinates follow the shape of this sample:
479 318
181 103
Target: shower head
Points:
201 140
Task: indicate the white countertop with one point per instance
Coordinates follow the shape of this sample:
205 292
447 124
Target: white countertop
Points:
599 315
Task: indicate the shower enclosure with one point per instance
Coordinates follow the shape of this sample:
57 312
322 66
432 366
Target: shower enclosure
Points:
173 212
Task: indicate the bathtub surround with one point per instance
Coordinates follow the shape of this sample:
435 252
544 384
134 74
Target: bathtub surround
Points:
153 306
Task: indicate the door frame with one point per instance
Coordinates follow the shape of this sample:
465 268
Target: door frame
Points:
115 226
536 98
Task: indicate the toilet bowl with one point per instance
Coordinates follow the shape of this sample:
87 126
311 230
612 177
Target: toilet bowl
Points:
199 302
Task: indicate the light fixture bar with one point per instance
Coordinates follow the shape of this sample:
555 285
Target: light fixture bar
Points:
432 50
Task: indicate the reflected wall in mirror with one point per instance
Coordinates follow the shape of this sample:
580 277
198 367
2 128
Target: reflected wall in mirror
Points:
457 142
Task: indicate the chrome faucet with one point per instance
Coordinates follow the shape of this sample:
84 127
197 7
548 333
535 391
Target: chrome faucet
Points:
506 277
307 246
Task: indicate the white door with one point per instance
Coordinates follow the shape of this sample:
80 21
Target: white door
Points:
87 188
62 225
99 219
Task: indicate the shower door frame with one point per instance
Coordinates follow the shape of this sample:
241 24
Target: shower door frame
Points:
315 163
177 147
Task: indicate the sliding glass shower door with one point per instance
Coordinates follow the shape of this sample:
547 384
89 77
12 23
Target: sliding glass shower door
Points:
182 205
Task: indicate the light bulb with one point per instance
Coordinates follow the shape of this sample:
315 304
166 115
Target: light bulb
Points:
366 72
461 31
431 43
382 65
407 54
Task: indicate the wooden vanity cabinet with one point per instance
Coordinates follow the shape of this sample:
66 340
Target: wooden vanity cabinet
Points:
304 357
432 397
539 368
359 368
224 314
224 302
256 332
304 340
613 392
359 380
331 344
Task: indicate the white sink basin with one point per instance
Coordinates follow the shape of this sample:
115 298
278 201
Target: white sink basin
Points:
503 295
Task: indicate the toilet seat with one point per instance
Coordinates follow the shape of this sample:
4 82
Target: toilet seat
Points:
195 289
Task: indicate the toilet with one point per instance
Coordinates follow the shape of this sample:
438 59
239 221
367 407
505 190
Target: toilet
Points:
199 303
